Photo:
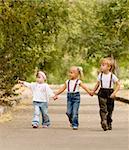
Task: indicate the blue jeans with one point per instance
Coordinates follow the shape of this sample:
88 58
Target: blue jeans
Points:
43 108
73 103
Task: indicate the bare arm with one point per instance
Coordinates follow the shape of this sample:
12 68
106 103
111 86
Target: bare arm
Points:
61 90
85 88
116 89
27 84
96 86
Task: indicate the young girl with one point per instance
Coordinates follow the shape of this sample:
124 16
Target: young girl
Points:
106 81
41 93
73 95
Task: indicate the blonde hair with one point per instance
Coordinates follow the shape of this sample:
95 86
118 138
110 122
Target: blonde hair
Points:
80 71
110 62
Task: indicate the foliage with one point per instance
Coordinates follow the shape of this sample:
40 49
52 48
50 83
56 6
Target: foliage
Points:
52 35
28 34
113 28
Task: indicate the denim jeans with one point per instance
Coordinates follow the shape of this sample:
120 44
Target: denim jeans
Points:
43 108
73 103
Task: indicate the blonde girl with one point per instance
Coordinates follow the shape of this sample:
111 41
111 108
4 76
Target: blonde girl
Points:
73 95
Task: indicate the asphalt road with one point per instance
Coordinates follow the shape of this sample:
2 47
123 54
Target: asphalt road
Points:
18 134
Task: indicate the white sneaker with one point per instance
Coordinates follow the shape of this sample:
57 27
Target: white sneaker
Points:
45 126
75 128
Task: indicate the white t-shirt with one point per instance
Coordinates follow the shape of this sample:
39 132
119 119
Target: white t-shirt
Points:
106 80
40 92
72 85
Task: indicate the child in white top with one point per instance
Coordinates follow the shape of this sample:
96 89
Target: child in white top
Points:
73 95
41 93
106 81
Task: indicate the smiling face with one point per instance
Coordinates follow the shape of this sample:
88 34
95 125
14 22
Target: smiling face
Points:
73 73
39 78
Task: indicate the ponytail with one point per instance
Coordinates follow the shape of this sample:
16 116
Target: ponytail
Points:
112 64
80 70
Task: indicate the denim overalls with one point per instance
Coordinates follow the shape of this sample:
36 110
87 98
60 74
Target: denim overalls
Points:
73 103
106 104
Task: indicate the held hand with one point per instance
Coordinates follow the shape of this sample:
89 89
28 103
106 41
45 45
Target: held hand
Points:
20 82
92 93
55 97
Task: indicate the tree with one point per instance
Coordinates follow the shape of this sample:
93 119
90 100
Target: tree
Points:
55 34
28 35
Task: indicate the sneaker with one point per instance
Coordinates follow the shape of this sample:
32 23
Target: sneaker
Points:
75 128
45 126
110 126
35 126
104 126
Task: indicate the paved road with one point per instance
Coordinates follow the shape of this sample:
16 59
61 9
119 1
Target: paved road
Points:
19 135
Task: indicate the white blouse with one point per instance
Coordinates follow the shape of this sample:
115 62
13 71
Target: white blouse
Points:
106 80
72 85
40 92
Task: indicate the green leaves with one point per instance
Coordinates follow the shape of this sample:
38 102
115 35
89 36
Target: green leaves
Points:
110 31
55 34
28 31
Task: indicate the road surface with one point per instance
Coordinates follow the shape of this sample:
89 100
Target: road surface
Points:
18 134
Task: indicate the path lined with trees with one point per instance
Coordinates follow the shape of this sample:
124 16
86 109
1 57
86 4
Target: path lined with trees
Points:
52 35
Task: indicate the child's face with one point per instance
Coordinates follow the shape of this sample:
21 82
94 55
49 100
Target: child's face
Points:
104 67
39 78
73 73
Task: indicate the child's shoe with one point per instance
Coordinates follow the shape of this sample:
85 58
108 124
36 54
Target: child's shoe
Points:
75 128
34 125
104 125
109 126
45 126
